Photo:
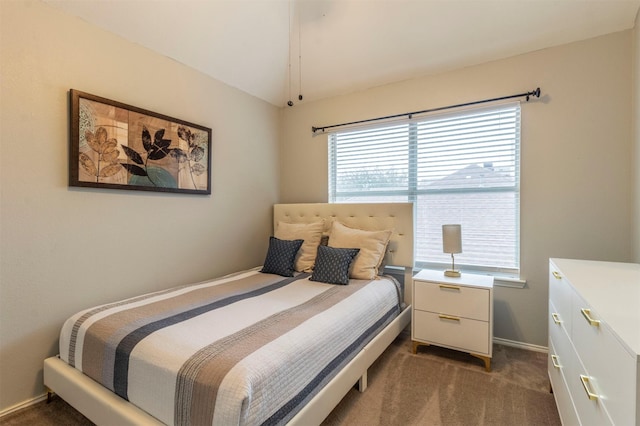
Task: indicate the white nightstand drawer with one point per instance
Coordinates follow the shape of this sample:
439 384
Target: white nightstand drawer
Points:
451 331
453 299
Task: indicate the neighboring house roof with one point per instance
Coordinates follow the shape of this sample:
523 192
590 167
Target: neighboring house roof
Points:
474 176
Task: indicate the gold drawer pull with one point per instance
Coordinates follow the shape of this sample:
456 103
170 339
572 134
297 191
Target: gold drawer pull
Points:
587 314
448 317
557 275
554 361
585 383
556 318
450 287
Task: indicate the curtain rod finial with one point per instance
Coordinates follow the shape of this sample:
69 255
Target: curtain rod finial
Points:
535 93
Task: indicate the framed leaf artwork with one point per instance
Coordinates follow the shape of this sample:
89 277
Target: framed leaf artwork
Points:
118 146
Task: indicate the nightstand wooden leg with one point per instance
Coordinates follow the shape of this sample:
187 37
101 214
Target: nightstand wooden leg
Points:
416 344
486 359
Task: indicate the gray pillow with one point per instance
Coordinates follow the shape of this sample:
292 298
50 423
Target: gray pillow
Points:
332 264
281 257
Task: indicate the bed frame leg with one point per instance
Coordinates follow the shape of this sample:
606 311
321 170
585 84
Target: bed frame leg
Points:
362 382
49 394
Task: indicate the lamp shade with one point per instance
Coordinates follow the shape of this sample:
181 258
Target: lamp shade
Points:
451 238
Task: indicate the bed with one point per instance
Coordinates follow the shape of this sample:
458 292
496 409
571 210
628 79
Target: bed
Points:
150 374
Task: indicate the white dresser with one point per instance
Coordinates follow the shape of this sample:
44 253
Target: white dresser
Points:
594 341
456 313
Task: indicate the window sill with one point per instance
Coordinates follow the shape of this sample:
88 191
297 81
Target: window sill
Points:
502 280
509 282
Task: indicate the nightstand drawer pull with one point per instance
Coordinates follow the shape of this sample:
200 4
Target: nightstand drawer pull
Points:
450 287
554 361
585 383
556 318
586 313
557 275
448 317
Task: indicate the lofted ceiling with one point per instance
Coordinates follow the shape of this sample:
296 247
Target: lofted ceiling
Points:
278 49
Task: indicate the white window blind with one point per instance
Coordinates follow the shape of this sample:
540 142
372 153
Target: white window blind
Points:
461 167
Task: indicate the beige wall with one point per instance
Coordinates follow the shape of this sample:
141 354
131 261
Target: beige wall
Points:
636 133
576 148
64 249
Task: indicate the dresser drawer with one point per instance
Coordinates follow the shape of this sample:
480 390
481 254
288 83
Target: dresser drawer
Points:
557 322
457 300
608 364
562 343
556 369
566 357
590 412
443 330
560 293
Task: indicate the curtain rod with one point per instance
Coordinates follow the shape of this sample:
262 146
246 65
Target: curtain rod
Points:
409 115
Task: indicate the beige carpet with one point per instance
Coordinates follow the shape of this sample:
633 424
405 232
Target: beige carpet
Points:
438 386
434 387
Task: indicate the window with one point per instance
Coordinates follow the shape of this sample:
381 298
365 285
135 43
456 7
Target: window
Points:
461 167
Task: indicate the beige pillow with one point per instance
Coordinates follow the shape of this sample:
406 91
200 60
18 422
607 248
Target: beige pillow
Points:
311 233
372 245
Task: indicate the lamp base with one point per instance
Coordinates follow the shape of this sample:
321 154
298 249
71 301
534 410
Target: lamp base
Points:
451 273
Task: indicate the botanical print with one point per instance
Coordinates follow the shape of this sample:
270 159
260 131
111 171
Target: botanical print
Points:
101 126
120 146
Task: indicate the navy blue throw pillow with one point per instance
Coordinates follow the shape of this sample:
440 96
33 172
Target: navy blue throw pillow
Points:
281 257
332 264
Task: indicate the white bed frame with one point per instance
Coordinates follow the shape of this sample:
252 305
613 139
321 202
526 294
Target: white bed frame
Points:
102 406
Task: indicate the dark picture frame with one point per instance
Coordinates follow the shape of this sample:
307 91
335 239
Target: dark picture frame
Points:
119 146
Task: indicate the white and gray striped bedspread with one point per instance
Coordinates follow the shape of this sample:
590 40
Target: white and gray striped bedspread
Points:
246 349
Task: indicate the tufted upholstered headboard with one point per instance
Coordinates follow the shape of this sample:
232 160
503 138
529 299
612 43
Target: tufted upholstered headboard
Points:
369 216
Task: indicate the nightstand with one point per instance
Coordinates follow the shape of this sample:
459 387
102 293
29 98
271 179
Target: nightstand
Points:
455 313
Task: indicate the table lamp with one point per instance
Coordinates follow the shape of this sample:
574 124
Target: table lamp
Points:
452 243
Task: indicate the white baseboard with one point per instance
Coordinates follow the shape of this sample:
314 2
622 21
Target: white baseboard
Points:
521 345
23 404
